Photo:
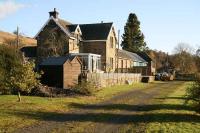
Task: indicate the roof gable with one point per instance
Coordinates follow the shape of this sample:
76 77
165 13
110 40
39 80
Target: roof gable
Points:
72 27
78 59
61 23
145 56
114 33
99 31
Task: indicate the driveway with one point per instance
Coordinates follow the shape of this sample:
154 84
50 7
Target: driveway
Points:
111 116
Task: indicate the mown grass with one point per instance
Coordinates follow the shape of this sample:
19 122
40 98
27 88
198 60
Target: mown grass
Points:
178 124
14 115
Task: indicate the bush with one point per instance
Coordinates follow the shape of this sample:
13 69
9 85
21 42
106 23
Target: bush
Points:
46 91
85 88
193 93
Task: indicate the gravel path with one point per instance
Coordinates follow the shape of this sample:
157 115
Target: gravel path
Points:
108 116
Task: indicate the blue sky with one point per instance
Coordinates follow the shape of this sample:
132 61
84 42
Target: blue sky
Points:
165 23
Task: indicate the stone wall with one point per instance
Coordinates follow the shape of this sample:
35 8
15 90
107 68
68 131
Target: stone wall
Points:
52 41
111 79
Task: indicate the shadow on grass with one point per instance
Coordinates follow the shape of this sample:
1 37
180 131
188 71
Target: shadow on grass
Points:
176 98
108 117
121 118
129 107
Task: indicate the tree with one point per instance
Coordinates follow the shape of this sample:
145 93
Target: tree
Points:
16 75
198 52
183 59
133 38
24 79
197 59
193 93
160 59
10 60
183 47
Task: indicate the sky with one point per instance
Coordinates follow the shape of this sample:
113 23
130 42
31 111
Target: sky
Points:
165 23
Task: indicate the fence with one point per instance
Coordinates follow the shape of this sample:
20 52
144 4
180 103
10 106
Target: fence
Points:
110 79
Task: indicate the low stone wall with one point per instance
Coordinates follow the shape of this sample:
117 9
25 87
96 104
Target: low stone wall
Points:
110 79
185 77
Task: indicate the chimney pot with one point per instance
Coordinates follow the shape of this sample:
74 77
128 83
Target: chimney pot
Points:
54 13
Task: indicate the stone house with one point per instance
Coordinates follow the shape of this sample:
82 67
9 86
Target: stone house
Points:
58 37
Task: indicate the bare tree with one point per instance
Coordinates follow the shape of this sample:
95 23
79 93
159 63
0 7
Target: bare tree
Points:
198 52
183 59
184 47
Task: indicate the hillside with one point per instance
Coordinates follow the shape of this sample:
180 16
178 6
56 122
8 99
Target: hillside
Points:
9 38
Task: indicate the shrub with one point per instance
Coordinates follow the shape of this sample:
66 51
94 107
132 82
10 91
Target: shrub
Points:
46 91
193 93
85 88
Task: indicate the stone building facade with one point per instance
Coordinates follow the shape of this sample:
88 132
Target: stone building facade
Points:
59 38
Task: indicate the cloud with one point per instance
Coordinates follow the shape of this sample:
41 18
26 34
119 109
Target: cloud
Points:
8 8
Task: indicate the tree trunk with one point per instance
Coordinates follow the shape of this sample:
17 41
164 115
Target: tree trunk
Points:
19 97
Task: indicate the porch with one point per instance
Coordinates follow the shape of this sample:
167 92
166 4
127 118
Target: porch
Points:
90 62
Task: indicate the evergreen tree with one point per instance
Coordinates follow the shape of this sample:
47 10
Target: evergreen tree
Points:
133 38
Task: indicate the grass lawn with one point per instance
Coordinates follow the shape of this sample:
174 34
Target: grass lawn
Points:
173 107
14 115
160 110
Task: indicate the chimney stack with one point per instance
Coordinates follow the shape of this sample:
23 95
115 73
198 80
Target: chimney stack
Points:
54 13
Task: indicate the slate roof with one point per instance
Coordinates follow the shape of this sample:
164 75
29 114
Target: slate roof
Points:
63 23
67 25
72 27
57 61
145 56
98 31
130 55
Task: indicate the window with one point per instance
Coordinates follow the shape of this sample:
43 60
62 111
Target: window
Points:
73 45
95 51
122 65
111 63
111 42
